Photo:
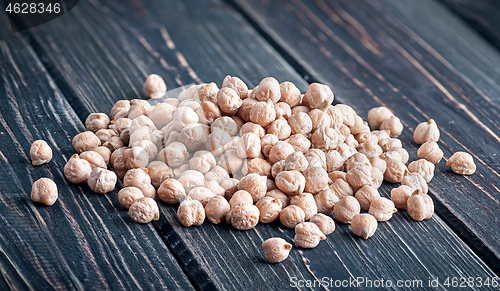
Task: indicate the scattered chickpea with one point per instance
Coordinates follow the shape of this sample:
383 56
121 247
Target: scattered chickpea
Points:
102 181
257 166
382 208
420 206
230 186
104 152
291 182
228 100
324 223
216 141
359 177
299 142
325 201
276 249
308 235
263 113
394 125
316 179
316 158
217 209
359 126
85 141
171 191
208 112
113 144
377 115
194 135
296 162
174 155
77 170
158 172
139 107
217 173
249 146
254 184
191 179
40 153
426 132
95 160
191 212
283 110
162 114
346 209
154 87
395 171
120 109
326 138
402 153
307 203
431 152
400 196
140 178
341 188
226 124
128 195
269 208
364 225
366 195
461 163
201 194
334 161
291 216
280 128
243 216
348 114
388 143
230 162
44 191
335 175
415 181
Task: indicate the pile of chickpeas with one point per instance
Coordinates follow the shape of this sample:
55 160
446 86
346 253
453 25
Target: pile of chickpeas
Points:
244 156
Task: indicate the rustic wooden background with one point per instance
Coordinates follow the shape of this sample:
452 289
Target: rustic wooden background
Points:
423 59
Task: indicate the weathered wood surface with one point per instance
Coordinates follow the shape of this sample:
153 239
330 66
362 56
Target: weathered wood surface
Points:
84 241
102 51
483 16
422 62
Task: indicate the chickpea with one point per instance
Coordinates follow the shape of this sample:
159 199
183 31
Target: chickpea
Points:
382 209
307 203
226 124
149 147
400 196
304 109
40 153
346 151
270 184
299 142
77 170
318 96
255 185
366 137
191 212
377 115
424 168
201 194
128 195
300 123
85 141
194 135
190 93
237 85
280 151
172 101
268 89
263 113
296 161
254 128
290 94
291 216
154 87
217 173
191 179
395 171
308 235
276 249
139 107
282 197
249 146
171 191
394 125
359 126
326 138
426 132
137 157
162 114
420 206
377 177
174 155
341 188
140 178
202 161
334 161
280 128
364 225
120 109
228 100
316 158
102 181
348 114
96 121
243 216
415 181
118 161
346 209
105 134
277 168
230 162
283 110
104 152
269 208
183 116
335 175
336 115
230 186
431 152
217 140
217 209
246 107
324 223
366 195
461 163
316 179
388 143
158 172
208 112
381 134
208 92
359 177
94 159
137 135
267 142
366 148
291 182
257 166
44 191
113 144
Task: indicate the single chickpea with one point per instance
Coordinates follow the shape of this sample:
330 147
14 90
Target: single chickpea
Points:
291 216
394 125
201 194
359 126
263 113
400 196
326 138
191 212
426 132
296 161
299 142
240 196
102 181
216 141
162 114
351 141
191 179
257 166
243 216
341 188
128 195
316 158
105 135
336 115
461 163
431 152
308 235
366 195
316 179
301 108
424 168
268 89
318 96
237 85
202 161
325 201
334 161
217 173
149 147
226 124
139 134
120 109
96 121
364 225
104 152
139 107
158 172
377 177
415 181
282 197
191 93
420 206
255 185
118 161
269 208
267 142
246 108
174 155
307 203
366 137
382 209
215 187
348 114
249 146
40 153
388 143
300 123
277 168
395 171
290 94
113 144
120 124
402 152
154 87
85 141
319 118
381 134
77 170
359 177
324 223
140 178
171 191
367 147
95 160
44 191
183 116
194 135
276 249
228 100
280 151
280 128
346 209
230 186
230 162
291 182
283 110
208 112
137 158
335 175
377 115
217 209
208 92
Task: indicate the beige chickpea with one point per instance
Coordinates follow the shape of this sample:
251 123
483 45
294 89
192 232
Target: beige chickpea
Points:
174 155
359 126
201 194
216 141
191 212
249 146
326 138
308 235
377 177
128 195
319 118
296 161
346 151
120 124
102 181
367 137
420 206
426 132
316 158
140 178
237 85
183 116
402 153
341 188
318 96
270 184
343 129
348 114
172 101
230 162
395 171
366 148
267 142
461 163
257 166
316 179
40 153
194 135
366 195
113 143
388 143
359 177
307 203
120 109
276 249
382 209
227 124
299 142
228 100
171 191
280 128
283 110
357 160
415 181
334 161
77 170
154 87
85 141
301 108
191 93
335 175
139 107
335 113
394 125
246 108
268 89
325 223
191 179
346 209
96 121
364 225
290 94
208 112
351 141
230 186
158 172
269 208
139 134
217 209
254 128
118 161
162 114
325 201
400 196
105 135
148 146
278 194
291 216
217 173
291 182
202 161
277 168
431 152
240 196
215 187
381 134
208 92
104 152
424 168
280 151
94 159
254 184
300 123
263 113
137 157
377 115
44 191
243 216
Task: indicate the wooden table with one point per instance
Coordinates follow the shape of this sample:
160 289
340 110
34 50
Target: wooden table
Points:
419 58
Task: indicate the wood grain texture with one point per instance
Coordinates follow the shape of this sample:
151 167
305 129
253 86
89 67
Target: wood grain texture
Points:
205 40
422 62
84 241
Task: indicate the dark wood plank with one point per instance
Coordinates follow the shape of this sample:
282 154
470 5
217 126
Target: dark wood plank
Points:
84 241
482 15
422 62
205 40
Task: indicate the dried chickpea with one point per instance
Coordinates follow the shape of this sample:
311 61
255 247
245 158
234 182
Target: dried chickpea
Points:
377 177
431 152
377 115
217 173
118 161
400 196
291 182
139 107
243 216
208 112
291 216
171 191
254 184
364 225
269 208
341 188
226 124
201 194
381 134
280 128
202 161
280 151
237 85
366 137
276 249
254 128
191 212
139 178
191 179
348 114
307 203
139 134
388 143
277 168
162 114
378 162
424 168
194 135
300 123
283 110
334 161
391 155
304 109
318 96
249 146
299 142
346 151
113 144
230 186
316 158
308 235
105 135
359 177
324 223
172 101
426 132
94 159
217 209
128 195
316 179
335 175
366 195
290 94
395 171
267 142
102 181
104 152
359 126
263 113
208 92
420 206
246 107
415 181
326 138
240 196
268 89
217 140
44 191
270 184
40 153
346 209
296 161
183 116
367 147
394 125
228 100
96 121
325 201
154 87
158 172
382 209
174 155
85 141
278 194
77 170
148 146
230 162
461 163
137 157
120 109
257 166
190 93
357 160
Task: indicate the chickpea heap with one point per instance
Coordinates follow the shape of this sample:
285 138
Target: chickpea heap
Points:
242 156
